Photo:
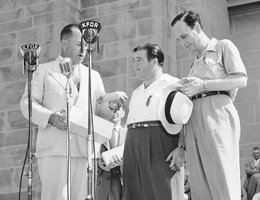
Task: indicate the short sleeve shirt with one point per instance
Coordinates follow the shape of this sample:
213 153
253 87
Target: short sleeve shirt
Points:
219 59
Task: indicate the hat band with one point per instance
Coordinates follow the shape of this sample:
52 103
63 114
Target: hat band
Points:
167 108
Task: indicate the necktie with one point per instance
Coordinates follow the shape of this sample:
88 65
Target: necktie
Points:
75 77
114 137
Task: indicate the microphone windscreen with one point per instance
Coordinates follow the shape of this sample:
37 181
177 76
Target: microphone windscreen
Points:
90 35
66 66
30 57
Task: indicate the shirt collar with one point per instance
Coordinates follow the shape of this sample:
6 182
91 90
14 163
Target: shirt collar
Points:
212 45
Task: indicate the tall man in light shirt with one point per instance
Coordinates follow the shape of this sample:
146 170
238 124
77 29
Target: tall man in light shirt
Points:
146 173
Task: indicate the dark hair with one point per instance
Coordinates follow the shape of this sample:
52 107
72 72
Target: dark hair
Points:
190 17
152 51
68 30
255 148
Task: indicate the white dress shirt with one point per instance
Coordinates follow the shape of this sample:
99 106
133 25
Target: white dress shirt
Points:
144 102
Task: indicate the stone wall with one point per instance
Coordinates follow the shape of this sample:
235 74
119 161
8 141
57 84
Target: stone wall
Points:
125 24
21 22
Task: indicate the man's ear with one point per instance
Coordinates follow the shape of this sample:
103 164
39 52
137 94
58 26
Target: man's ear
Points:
64 44
197 27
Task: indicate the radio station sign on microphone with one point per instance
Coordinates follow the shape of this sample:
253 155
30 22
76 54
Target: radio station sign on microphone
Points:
30 53
90 30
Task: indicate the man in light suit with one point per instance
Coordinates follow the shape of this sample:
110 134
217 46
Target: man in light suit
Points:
252 182
48 112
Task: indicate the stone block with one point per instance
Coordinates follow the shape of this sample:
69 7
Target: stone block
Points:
248 94
143 12
257 111
33 35
6 177
12 15
251 59
12 156
10 4
110 34
16 25
150 26
90 3
247 22
254 72
246 40
12 73
7 55
12 93
51 33
118 6
112 68
8 39
50 49
13 138
109 20
35 179
115 83
50 18
45 7
132 84
16 120
246 112
130 66
250 133
118 49
88 13
3 120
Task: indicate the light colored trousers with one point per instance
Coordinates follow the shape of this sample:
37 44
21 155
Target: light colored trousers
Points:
53 175
212 140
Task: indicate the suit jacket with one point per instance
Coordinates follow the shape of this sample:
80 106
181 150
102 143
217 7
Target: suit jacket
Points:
249 168
48 96
109 183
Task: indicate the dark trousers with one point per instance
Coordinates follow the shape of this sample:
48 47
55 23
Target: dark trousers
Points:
146 174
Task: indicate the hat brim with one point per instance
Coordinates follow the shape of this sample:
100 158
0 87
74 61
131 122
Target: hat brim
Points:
170 128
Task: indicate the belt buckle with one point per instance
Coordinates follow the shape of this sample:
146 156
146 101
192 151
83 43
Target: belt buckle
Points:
203 95
134 126
146 125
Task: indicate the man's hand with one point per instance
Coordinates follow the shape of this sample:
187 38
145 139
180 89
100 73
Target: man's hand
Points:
59 120
191 85
118 96
114 163
177 158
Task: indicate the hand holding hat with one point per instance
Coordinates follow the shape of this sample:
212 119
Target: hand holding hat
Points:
174 109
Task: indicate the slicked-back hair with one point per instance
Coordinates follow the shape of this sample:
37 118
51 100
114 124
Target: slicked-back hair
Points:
68 30
190 17
256 148
152 51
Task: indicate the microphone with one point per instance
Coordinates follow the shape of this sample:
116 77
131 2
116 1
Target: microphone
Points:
90 30
66 67
30 53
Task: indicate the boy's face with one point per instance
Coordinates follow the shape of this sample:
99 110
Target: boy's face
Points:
118 115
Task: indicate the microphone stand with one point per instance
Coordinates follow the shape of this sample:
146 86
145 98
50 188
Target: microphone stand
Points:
68 151
30 69
90 138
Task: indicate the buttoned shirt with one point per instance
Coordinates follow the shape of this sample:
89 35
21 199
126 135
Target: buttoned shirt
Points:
144 102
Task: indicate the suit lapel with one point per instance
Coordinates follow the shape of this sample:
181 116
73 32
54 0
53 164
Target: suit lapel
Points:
61 79
82 100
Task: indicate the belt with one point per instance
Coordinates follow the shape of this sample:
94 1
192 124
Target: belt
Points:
206 94
146 124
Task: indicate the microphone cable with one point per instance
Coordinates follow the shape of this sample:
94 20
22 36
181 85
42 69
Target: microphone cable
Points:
22 172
